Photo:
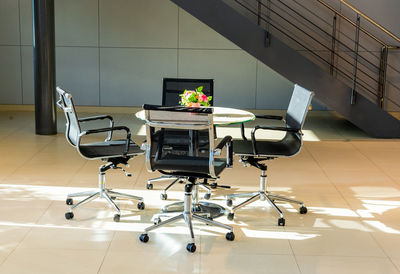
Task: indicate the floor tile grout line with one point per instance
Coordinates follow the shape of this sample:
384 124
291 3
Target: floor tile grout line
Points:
28 232
106 252
28 159
293 254
383 250
371 234
333 184
346 201
16 247
373 163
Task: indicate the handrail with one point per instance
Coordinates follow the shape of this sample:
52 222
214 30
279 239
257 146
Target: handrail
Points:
354 24
301 44
369 19
278 17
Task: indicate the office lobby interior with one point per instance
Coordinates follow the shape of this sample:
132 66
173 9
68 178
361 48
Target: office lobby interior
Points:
345 173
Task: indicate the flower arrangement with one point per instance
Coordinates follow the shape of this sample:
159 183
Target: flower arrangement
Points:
195 98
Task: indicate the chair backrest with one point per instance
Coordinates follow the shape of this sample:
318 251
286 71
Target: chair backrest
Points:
172 87
188 122
298 107
73 129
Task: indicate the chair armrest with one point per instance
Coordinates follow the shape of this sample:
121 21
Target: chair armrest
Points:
100 117
111 129
223 142
253 132
271 117
226 141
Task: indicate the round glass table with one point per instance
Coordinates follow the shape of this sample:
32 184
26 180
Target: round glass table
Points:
221 116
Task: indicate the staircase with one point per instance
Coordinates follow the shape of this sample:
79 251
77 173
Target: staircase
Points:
307 49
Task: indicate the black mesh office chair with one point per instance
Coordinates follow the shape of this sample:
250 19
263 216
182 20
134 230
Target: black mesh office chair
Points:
188 164
255 151
172 87
114 152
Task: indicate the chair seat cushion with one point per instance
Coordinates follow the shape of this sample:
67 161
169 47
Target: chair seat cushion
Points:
187 164
287 146
110 149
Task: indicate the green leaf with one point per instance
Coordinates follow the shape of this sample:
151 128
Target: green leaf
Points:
200 88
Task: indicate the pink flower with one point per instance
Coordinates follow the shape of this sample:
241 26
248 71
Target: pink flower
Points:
203 98
195 105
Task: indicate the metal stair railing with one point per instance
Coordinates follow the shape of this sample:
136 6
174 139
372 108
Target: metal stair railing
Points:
316 35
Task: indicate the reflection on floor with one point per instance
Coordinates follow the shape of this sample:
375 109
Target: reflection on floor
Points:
349 182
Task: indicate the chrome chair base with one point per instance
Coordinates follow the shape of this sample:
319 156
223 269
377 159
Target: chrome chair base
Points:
209 210
205 209
263 195
187 215
102 192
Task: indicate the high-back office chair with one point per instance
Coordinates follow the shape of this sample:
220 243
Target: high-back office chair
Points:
189 164
172 87
255 151
114 152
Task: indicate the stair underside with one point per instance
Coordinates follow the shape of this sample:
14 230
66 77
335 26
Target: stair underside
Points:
293 66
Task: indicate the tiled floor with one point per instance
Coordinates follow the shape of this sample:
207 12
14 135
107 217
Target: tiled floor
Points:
350 183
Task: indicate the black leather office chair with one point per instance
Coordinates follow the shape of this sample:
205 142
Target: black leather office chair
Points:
172 87
114 152
254 151
188 164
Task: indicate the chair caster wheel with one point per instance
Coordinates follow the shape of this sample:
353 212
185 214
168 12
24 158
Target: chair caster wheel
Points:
230 236
191 247
149 186
230 216
144 238
207 196
214 185
140 205
229 202
117 218
281 222
69 201
69 215
163 196
303 210
157 220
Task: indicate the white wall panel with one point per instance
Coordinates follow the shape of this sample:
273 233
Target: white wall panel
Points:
195 34
77 71
273 90
133 77
10 75
28 96
25 12
9 22
138 23
76 22
233 71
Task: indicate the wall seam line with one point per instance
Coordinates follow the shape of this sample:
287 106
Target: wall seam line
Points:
177 49
20 51
98 48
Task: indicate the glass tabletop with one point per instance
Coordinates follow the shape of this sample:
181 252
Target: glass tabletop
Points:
221 116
